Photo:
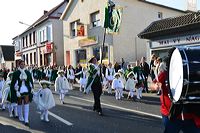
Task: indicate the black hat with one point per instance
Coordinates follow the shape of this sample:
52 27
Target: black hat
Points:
91 59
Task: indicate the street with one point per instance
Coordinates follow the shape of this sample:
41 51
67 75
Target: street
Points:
76 116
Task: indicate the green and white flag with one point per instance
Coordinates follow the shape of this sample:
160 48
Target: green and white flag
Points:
113 17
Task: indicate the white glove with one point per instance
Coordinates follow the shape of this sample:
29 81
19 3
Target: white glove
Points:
16 88
18 94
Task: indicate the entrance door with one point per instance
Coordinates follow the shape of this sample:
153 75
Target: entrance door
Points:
67 57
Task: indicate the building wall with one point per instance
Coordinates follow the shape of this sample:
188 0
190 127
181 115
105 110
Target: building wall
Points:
136 16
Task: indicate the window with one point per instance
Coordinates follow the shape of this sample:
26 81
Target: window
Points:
43 34
73 27
34 37
95 19
27 59
26 40
35 58
31 58
160 15
81 56
97 54
30 39
23 42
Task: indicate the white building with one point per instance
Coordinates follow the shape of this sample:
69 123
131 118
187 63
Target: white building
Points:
137 14
42 43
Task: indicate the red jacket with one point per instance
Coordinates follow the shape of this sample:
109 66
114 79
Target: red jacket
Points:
164 98
166 102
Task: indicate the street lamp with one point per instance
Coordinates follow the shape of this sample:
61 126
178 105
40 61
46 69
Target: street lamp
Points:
36 42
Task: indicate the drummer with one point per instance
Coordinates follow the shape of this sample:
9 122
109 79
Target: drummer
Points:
175 117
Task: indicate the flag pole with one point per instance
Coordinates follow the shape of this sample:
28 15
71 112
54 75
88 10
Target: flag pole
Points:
102 52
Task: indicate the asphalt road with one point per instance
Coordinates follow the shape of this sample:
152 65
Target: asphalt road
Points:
76 116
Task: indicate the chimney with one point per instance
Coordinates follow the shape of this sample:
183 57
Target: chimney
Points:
192 5
45 11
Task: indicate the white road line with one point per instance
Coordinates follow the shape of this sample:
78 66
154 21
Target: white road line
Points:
121 108
59 118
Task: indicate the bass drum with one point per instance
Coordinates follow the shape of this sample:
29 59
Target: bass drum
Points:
184 75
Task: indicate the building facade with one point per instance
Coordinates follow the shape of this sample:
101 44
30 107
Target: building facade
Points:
42 43
89 14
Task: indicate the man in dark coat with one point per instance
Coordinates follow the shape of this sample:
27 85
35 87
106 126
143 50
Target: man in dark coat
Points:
146 71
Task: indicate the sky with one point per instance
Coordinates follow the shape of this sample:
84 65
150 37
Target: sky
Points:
28 11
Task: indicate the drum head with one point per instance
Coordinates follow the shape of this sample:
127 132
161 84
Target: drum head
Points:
176 75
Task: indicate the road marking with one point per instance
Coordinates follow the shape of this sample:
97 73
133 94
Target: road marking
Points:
121 108
59 118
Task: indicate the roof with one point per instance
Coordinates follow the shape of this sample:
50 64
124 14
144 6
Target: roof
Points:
8 52
179 24
156 4
44 17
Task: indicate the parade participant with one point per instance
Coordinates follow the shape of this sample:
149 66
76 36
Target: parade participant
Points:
140 79
122 78
130 85
128 70
94 83
110 71
83 79
146 71
61 85
117 85
71 76
1 86
21 87
44 99
6 97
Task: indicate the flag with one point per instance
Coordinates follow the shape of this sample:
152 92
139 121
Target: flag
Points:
112 20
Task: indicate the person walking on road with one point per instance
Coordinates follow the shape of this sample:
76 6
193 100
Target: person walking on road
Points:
94 82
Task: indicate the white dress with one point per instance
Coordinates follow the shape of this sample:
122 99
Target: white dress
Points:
130 84
61 84
83 80
117 84
44 99
110 73
1 87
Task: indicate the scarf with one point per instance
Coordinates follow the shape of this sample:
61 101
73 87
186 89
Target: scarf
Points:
23 75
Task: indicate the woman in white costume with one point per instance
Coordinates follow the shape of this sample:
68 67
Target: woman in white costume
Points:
83 79
130 85
122 78
110 71
6 97
61 85
44 99
71 76
117 85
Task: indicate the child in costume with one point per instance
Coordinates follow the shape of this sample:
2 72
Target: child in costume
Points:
1 87
61 85
130 85
117 85
44 99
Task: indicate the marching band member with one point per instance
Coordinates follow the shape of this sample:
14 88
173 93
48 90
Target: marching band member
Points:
110 71
94 84
130 85
44 99
61 85
21 88
117 85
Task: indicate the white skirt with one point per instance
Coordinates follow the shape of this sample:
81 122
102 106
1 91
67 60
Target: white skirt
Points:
83 81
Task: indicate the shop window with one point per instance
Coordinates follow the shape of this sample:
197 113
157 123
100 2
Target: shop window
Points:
81 56
95 19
